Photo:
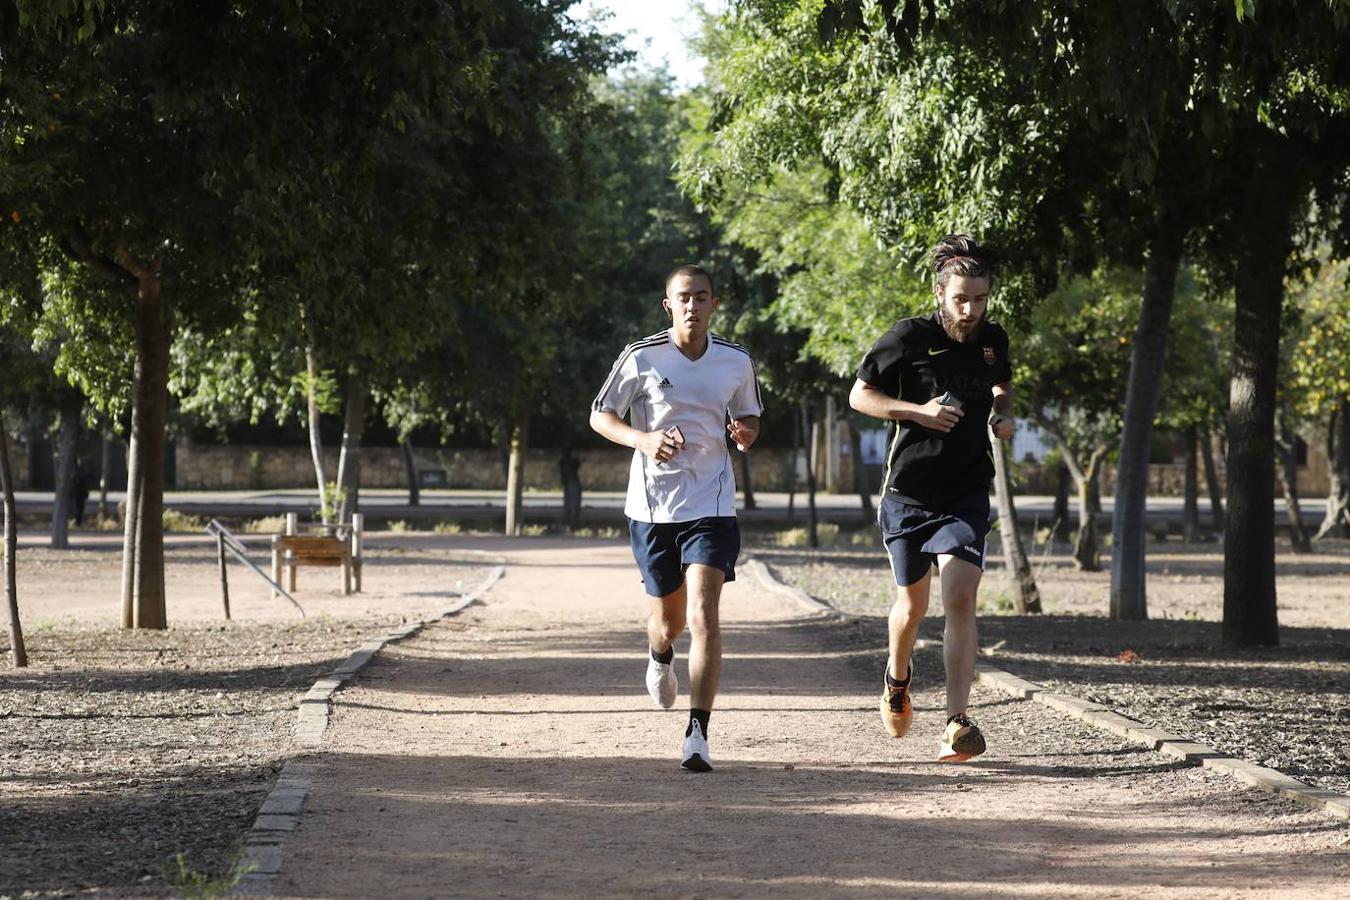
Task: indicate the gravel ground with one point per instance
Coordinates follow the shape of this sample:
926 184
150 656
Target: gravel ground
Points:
122 749
1286 707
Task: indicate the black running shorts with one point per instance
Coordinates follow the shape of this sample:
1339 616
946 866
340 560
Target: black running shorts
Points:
915 535
663 550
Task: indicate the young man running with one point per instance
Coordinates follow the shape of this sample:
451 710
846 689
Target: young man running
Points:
944 382
684 389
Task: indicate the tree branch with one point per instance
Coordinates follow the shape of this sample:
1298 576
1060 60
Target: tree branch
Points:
77 244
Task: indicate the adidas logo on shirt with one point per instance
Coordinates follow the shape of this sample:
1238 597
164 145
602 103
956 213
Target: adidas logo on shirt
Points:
665 383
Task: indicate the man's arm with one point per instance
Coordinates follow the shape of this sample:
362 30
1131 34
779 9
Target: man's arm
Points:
656 444
873 401
1001 420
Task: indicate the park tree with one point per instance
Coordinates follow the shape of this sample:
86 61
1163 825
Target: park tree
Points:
1071 366
1318 387
1067 133
357 189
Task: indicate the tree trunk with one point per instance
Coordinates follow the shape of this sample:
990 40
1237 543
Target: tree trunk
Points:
104 464
1026 596
515 472
504 447
67 443
326 500
569 473
1287 447
1263 244
17 651
1063 481
143 547
1086 555
410 469
1190 510
864 490
349 460
807 430
1336 523
792 476
1212 481
747 480
131 515
1087 549
1147 357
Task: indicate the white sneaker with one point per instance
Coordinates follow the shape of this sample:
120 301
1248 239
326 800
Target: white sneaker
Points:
697 757
662 684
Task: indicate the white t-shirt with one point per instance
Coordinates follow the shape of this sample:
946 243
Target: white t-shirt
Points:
658 386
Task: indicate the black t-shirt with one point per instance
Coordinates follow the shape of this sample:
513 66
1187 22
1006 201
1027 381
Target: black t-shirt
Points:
915 361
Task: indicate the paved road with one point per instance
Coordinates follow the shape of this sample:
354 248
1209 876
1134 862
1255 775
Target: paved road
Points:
513 752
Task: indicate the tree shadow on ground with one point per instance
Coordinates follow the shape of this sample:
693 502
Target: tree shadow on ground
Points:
518 826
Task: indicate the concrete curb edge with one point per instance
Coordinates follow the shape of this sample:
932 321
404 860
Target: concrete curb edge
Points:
280 812
1098 716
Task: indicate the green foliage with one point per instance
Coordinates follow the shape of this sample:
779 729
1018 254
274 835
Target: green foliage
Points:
182 522
1318 362
334 495
265 525
195 884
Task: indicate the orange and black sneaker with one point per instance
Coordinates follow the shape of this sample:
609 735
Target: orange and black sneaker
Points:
897 712
961 741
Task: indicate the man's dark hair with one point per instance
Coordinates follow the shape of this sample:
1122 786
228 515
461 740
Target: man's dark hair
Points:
692 271
957 254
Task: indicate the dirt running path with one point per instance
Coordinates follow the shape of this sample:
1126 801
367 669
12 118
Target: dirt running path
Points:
513 751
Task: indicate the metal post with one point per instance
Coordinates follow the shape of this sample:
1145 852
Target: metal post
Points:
224 580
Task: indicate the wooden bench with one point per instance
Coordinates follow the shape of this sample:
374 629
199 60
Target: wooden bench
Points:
291 551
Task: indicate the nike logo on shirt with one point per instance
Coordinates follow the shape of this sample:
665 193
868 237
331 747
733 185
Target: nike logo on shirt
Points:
932 351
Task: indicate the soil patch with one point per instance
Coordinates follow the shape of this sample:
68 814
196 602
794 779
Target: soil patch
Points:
122 749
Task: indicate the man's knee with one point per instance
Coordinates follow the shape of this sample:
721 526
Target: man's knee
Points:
959 600
669 627
912 600
704 621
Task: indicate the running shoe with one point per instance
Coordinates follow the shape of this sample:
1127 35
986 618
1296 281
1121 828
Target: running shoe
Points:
662 684
897 712
961 741
697 757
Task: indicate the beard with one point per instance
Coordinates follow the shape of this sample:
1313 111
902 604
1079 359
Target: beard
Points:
961 333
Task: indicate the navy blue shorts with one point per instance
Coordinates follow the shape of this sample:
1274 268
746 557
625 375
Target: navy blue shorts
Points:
663 550
915 535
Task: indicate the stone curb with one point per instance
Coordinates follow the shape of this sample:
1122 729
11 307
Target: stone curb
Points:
1098 716
1175 746
314 707
280 812
761 572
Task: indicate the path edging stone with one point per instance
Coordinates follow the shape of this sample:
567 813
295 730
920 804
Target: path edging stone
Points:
280 812
1098 716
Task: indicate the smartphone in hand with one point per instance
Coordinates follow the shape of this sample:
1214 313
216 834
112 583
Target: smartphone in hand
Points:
676 434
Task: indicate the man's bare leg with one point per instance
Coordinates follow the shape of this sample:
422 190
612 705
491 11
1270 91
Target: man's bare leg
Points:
960 583
911 605
667 618
705 631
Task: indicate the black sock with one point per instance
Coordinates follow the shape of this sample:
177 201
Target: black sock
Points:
892 683
701 716
666 657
